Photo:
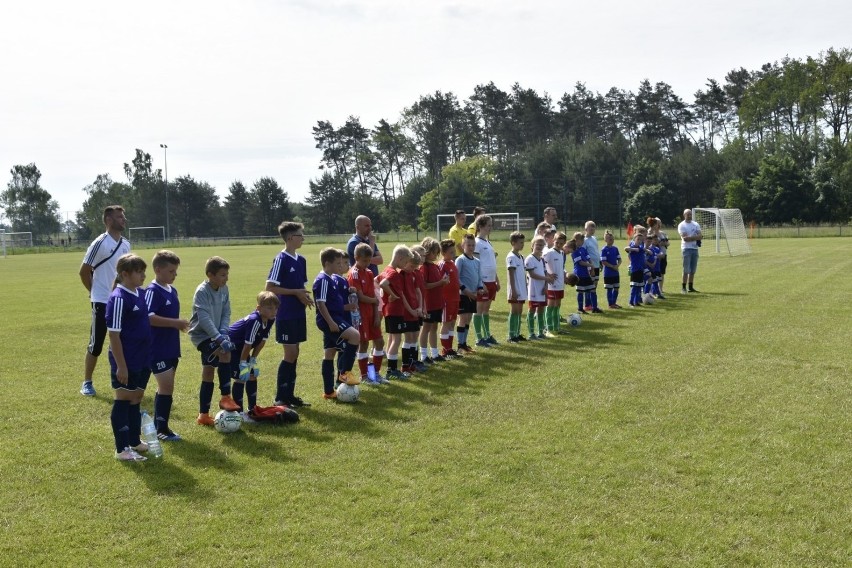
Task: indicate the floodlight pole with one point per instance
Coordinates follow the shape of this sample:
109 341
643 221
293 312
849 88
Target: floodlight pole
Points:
166 168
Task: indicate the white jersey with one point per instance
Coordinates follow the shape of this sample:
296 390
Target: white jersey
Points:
537 290
103 254
554 261
487 260
593 248
516 261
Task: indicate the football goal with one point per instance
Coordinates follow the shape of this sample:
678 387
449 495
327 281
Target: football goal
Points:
15 240
146 234
723 230
501 222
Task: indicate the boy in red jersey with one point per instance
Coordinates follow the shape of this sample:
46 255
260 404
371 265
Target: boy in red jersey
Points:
361 278
451 298
394 306
434 282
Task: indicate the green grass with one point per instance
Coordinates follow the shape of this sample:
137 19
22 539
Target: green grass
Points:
706 430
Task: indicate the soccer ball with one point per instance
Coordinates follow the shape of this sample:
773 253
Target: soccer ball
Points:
647 298
227 421
348 393
575 320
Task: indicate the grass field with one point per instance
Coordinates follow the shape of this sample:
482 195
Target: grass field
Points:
706 430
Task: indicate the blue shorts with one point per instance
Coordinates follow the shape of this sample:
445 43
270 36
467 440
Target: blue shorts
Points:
291 332
136 380
163 366
690 260
209 356
333 339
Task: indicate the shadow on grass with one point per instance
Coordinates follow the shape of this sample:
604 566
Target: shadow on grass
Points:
201 455
164 477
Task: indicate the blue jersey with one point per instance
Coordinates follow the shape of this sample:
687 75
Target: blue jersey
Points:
127 313
249 331
611 255
470 277
651 257
163 301
578 256
327 289
657 257
637 259
342 285
291 272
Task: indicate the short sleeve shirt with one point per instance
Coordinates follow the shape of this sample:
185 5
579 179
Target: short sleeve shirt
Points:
291 272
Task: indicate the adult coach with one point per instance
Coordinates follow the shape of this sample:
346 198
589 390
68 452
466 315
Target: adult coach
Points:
98 275
549 216
364 234
458 231
690 240
477 211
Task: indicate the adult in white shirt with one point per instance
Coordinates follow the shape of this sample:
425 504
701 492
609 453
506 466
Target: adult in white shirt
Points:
98 276
690 240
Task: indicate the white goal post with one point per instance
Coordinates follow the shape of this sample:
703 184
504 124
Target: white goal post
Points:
722 230
147 234
501 222
15 240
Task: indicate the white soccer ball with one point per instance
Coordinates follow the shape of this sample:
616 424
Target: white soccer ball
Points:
648 298
227 421
348 393
574 320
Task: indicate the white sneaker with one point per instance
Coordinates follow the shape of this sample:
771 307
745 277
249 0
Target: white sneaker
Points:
141 448
129 455
382 380
247 418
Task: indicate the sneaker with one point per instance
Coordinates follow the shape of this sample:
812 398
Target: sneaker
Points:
683 291
370 382
660 297
597 311
520 338
382 380
247 418
693 290
204 420
483 343
439 359
349 378
541 336
140 448
329 395
548 335
419 367
534 337
129 455
587 309
428 361
169 436
512 340
396 375
228 403
490 339
295 402
88 389
465 348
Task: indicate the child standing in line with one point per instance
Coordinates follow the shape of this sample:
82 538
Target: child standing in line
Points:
362 280
582 269
657 255
415 293
636 254
129 356
451 298
554 261
488 266
249 336
287 279
394 306
590 243
166 324
611 260
208 330
517 289
537 288
433 283
338 334
470 289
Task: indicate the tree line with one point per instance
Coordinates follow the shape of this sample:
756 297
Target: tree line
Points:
773 142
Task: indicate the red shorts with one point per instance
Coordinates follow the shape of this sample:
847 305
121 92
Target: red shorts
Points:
534 305
555 294
451 312
369 331
490 292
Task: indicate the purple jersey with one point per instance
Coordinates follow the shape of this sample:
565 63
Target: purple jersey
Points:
127 313
249 331
326 290
611 255
343 289
165 341
637 259
291 272
579 256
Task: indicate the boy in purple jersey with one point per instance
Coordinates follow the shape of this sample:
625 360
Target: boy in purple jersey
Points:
636 253
129 355
166 325
611 260
249 336
339 337
287 279
208 330
583 269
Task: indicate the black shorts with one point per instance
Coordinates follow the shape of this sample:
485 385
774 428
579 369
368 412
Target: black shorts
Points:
412 325
466 305
663 263
136 380
394 325
586 284
209 353
434 316
158 367
291 332
98 329
332 339
596 274
637 278
612 281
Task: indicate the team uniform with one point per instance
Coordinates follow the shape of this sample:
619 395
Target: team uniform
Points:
127 314
487 265
333 291
650 265
637 272
362 280
554 261
102 255
593 248
457 234
412 282
586 284
470 278
252 332
433 297
537 294
450 292
611 276
516 261
165 351
289 271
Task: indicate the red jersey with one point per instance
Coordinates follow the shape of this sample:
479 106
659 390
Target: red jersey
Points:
434 297
362 279
396 280
413 282
452 290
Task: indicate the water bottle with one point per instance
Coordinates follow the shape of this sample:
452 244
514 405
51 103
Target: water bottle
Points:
356 315
149 436
371 371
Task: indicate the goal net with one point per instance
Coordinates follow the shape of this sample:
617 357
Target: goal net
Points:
151 235
501 223
9 241
722 230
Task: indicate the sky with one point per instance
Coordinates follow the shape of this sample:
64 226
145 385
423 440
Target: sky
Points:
234 88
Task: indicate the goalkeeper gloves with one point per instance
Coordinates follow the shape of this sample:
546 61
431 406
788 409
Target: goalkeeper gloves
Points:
245 370
255 368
